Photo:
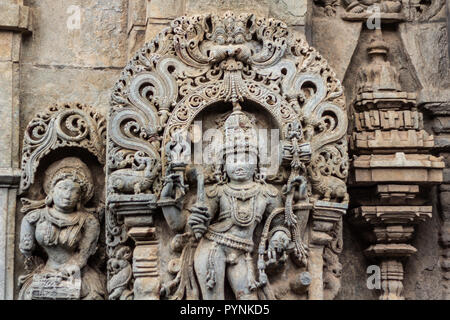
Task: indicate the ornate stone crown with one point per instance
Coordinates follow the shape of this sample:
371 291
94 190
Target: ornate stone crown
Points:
240 134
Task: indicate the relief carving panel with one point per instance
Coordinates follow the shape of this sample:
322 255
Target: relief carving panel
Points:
60 231
231 227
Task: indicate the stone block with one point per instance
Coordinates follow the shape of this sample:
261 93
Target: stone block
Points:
398 167
15 17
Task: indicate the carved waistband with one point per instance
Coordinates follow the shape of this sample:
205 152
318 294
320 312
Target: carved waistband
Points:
230 241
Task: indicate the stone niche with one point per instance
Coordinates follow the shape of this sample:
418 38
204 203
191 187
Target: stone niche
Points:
207 157
62 188
227 227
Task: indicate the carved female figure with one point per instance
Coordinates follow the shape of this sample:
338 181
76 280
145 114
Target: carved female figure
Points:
67 233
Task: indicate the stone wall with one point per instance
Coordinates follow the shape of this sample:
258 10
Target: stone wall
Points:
47 58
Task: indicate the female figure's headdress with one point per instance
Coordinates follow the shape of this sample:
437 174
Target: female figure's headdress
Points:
70 168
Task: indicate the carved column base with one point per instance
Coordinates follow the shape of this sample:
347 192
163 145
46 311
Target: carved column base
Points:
392 274
145 263
137 210
392 280
392 228
324 219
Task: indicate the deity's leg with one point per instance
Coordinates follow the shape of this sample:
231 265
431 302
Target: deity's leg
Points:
209 266
238 276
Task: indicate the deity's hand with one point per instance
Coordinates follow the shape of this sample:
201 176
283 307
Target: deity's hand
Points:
172 182
70 270
278 244
198 220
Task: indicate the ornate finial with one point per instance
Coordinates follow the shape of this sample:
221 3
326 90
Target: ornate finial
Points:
236 106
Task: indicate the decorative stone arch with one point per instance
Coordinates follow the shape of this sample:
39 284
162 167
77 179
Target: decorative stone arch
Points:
195 62
68 125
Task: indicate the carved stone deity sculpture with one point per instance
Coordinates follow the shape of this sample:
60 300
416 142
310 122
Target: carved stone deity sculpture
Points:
224 218
66 232
232 228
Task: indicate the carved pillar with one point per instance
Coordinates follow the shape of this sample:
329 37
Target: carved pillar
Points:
136 212
145 263
15 20
392 167
325 217
391 280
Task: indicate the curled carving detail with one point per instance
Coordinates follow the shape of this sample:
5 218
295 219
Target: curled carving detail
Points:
65 125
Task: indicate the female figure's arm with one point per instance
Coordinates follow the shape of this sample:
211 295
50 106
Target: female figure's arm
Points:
27 233
88 242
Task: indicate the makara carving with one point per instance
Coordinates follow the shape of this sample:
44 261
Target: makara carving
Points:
232 220
60 225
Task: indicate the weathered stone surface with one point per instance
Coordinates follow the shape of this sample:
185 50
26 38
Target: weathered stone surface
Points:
324 36
15 17
397 112
87 34
200 62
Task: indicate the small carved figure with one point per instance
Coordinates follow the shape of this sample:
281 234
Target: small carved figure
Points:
121 273
67 233
329 186
361 6
138 179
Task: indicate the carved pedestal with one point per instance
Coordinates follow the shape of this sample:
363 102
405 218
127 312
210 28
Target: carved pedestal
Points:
137 214
393 227
391 280
326 220
145 263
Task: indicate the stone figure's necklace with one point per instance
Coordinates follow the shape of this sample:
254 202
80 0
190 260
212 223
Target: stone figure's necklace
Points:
50 238
243 218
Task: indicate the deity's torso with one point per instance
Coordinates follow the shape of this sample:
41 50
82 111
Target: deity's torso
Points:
240 209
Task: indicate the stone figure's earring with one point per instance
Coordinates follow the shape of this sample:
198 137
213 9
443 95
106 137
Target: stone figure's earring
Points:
49 200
